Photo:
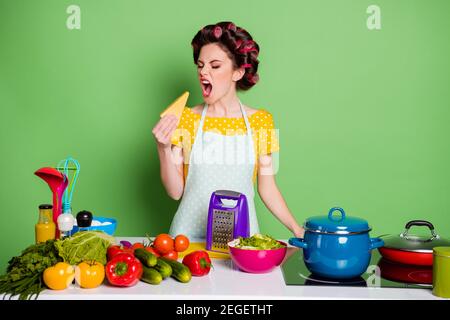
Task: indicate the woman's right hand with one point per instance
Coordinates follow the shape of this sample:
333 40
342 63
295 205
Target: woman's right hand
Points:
164 129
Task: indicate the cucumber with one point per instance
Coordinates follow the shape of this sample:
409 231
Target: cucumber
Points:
148 259
180 272
151 275
164 268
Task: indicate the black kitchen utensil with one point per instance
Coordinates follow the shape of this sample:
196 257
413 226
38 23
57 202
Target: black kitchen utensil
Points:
84 219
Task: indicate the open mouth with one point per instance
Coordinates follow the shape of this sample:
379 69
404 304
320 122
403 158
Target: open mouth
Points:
206 88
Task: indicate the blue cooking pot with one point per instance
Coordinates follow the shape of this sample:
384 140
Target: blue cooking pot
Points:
337 247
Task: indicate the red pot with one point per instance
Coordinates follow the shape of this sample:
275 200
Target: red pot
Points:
412 249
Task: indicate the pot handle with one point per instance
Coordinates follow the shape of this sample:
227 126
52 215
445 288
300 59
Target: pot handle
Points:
376 243
420 223
330 214
298 242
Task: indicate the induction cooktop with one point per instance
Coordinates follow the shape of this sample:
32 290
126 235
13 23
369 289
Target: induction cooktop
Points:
380 273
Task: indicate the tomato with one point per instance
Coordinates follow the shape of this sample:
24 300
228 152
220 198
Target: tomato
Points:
171 255
128 250
116 249
137 245
163 243
152 250
181 243
59 276
113 251
89 274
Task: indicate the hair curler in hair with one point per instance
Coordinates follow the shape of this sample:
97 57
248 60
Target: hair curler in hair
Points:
248 47
252 78
231 26
217 32
238 43
245 50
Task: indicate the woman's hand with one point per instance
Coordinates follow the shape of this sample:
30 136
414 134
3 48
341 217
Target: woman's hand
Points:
299 232
170 158
164 129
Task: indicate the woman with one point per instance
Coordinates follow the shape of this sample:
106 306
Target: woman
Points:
223 144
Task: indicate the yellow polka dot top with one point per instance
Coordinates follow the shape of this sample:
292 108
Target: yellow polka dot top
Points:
264 134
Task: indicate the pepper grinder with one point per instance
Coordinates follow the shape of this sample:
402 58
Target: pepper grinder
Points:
84 219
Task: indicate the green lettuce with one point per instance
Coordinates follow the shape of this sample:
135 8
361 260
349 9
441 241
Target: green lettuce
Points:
85 246
259 242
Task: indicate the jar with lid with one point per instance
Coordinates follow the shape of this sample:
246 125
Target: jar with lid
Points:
441 272
45 229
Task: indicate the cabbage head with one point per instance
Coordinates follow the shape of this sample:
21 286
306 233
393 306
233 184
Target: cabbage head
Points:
85 246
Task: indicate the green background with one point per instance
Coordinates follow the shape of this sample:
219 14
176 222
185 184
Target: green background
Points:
363 116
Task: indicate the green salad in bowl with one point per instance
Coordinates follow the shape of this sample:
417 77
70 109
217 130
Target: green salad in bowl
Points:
257 242
258 253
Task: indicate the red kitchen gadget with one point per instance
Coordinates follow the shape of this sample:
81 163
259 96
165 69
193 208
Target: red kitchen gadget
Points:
57 182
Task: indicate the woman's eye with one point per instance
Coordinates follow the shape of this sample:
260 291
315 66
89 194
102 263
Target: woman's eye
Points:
214 67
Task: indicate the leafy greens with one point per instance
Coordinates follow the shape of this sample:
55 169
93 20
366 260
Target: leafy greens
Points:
258 242
85 246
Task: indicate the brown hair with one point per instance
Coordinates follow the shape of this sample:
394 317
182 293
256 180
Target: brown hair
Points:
237 43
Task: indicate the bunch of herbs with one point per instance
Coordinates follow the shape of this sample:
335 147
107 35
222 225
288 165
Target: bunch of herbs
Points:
24 272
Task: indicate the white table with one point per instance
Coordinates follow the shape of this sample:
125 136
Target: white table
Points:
226 282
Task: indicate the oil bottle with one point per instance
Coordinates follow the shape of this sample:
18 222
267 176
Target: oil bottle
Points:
45 229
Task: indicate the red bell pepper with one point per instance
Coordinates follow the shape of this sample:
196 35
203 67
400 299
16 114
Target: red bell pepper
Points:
198 262
124 270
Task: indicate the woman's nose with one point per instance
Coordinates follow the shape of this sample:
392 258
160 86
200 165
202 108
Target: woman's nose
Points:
203 70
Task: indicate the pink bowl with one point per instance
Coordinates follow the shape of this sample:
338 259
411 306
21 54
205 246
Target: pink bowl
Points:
258 261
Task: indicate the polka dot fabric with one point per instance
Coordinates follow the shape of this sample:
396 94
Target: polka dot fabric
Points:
264 133
207 176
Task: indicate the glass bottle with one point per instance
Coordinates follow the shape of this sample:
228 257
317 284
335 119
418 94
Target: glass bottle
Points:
45 229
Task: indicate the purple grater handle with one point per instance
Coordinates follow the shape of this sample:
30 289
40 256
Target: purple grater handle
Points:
209 225
228 194
242 219
242 223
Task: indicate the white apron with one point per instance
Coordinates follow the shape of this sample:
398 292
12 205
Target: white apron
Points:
216 162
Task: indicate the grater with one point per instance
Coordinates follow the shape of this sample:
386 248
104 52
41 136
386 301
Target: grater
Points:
226 222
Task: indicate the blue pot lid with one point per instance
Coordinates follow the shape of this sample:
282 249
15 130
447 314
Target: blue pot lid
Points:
339 224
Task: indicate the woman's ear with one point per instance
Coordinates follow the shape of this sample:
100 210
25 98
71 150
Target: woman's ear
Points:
238 74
